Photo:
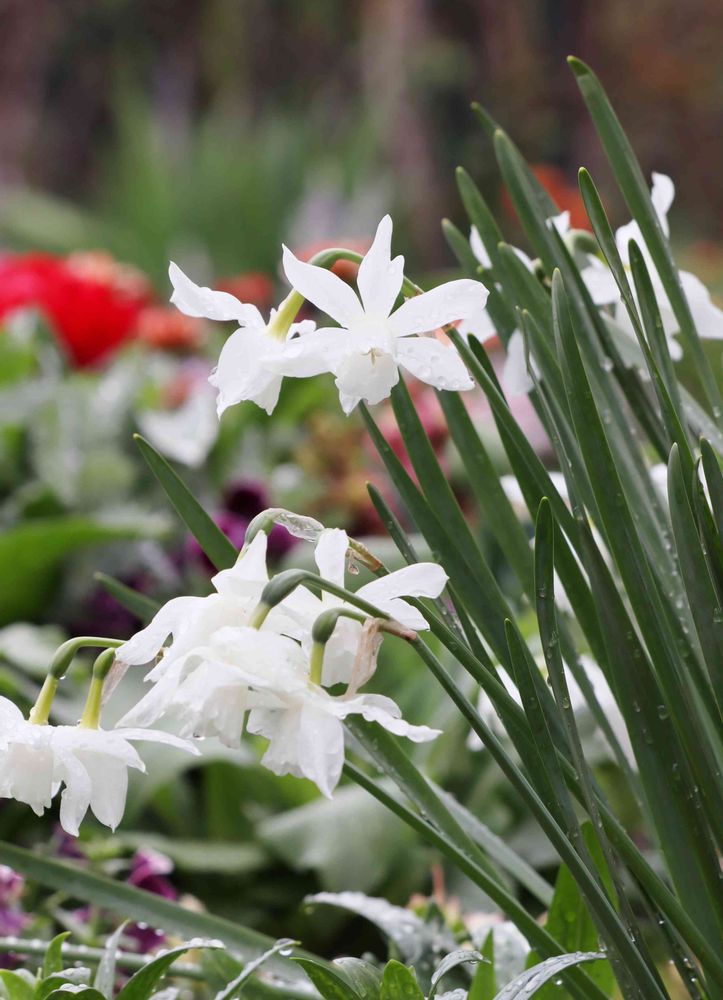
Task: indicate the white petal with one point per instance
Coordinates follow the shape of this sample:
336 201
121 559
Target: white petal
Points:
320 748
109 788
445 304
707 316
205 303
480 326
170 620
330 554
434 363
418 580
249 572
561 223
241 373
348 402
370 376
478 248
322 287
380 278
155 736
516 379
662 195
76 795
311 354
600 283
10 715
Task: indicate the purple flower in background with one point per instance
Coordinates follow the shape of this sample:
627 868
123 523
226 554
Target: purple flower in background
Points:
242 501
149 869
12 918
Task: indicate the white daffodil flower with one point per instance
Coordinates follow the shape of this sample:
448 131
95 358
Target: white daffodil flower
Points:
306 732
91 764
598 277
386 593
373 341
243 371
209 694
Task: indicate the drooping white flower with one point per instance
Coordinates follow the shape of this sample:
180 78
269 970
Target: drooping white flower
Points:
90 764
185 434
708 318
306 732
243 371
208 694
386 593
373 339
190 621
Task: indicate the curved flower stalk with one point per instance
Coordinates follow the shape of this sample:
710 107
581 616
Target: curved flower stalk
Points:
243 371
91 764
603 288
373 340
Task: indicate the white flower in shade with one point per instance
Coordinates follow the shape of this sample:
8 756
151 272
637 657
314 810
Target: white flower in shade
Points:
243 371
584 718
374 339
209 693
191 621
708 318
306 732
91 765
386 593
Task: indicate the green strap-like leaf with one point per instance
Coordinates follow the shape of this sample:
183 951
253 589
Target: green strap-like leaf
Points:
462 956
143 983
204 529
53 960
531 980
138 604
328 983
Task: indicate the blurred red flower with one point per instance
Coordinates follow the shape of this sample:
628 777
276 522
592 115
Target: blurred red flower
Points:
253 287
91 301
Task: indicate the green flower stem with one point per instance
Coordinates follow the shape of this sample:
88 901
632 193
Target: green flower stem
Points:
285 315
65 654
316 662
90 718
40 712
259 615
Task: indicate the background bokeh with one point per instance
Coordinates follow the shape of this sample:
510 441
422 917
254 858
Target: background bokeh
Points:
279 112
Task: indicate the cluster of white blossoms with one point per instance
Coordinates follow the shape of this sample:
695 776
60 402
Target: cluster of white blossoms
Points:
372 341
222 664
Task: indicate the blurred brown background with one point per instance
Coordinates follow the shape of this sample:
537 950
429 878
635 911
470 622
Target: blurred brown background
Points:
381 87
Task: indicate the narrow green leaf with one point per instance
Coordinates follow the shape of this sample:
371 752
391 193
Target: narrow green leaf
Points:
138 604
328 983
204 529
399 983
484 983
635 190
714 479
459 245
646 731
236 986
53 960
531 980
702 597
79 992
144 982
366 979
462 956
104 980
17 987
